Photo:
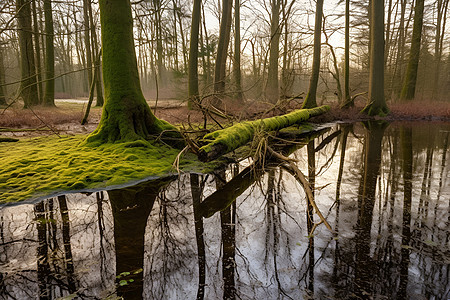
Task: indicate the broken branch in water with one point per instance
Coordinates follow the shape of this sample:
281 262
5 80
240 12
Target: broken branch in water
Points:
290 166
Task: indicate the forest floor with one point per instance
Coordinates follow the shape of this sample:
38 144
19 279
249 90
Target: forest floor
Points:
65 118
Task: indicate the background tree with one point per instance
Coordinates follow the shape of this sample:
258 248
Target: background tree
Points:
376 104
222 50
193 54
28 88
49 96
409 85
237 52
272 87
346 97
2 78
310 100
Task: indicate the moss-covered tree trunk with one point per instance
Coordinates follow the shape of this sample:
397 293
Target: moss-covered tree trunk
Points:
126 115
409 85
376 102
310 100
225 140
28 88
49 96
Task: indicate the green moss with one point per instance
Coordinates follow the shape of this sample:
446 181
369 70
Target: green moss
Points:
41 166
237 135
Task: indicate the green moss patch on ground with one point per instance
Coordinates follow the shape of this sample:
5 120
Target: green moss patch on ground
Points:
41 166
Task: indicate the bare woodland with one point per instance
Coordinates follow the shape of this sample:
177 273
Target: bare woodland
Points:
232 50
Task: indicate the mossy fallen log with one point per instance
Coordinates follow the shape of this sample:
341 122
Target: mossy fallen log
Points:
222 141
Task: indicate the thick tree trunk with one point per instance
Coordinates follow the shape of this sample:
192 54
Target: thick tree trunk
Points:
49 96
409 85
126 115
272 87
223 141
376 103
193 54
310 100
28 88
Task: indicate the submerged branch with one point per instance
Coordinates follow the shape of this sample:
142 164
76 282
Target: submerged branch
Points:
294 170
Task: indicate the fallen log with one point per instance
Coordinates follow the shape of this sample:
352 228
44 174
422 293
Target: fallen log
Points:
222 141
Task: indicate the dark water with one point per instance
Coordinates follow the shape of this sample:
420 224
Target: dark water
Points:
384 191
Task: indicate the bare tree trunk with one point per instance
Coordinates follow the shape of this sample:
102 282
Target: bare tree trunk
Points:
409 85
183 41
222 50
207 71
49 96
97 74
347 98
37 46
193 55
87 40
442 6
159 45
28 88
272 87
376 104
237 52
310 100
2 78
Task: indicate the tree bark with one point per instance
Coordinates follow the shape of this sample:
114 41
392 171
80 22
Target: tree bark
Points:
237 52
126 115
37 47
28 88
222 50
193 54
347 98
2 78
272 87
409 85
376 103
49 96
310 100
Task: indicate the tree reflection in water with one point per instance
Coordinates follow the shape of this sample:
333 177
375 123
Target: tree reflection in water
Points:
384 189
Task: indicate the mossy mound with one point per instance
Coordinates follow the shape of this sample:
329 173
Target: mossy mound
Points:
41 166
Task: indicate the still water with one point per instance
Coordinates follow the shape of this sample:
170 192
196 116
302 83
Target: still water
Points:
384 191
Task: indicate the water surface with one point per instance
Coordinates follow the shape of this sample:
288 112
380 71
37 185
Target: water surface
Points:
383 189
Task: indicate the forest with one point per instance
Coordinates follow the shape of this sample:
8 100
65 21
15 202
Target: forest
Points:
259 50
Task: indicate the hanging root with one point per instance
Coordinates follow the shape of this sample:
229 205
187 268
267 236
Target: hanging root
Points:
291 167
